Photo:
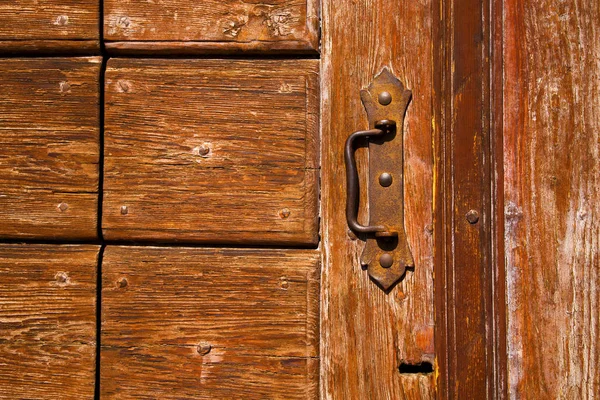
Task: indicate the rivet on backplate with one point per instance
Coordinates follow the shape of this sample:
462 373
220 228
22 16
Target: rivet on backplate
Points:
385 98
386 260
385 179
124 210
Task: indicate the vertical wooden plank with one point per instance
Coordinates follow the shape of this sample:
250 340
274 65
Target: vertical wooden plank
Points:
552 197
47 321
366 333
469 301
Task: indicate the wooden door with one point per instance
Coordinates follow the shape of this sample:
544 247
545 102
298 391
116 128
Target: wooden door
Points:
173 200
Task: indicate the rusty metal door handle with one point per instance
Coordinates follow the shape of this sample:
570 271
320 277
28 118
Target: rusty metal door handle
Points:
352 189
387 254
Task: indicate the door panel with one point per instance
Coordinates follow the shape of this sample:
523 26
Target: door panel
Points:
552 198
211 25
49 135
65 26
377 344
209 323
47 321
221 151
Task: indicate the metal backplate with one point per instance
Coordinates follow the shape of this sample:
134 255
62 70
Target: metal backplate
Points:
387 255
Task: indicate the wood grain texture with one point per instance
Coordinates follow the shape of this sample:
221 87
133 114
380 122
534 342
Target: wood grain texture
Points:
47 321
552 197
209 323
179 26
469 287
49 148
257 121
366 333
49 25
49 47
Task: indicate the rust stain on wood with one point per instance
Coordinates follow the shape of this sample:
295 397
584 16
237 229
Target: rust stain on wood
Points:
552 197
367 333
210 323
212 151
47 321
178 26
49 148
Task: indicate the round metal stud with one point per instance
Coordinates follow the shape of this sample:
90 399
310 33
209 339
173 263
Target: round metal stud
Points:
386 260
385 98
385 179
472 216
203 150
203 348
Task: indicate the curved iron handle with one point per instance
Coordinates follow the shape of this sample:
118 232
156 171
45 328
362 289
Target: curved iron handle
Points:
352 183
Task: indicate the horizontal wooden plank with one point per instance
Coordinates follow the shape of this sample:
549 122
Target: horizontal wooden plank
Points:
49 147
209 323
222 26
47 321
214 151
49 25
50 47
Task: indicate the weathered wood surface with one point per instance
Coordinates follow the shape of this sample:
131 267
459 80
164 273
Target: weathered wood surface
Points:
552 197
212 151
468 274
209 323
49 148
366 333
180 26
31 25
47 321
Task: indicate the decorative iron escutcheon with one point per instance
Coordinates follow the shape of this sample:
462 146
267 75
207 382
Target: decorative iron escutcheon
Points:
387 254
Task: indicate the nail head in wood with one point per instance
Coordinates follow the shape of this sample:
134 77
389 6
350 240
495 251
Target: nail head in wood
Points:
472 217
61 277
203 348
284 213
